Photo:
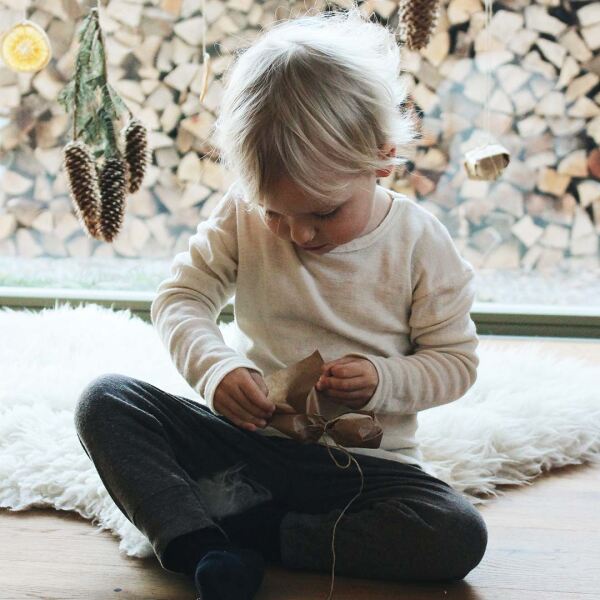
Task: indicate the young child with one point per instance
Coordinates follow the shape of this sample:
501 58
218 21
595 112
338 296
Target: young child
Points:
317 256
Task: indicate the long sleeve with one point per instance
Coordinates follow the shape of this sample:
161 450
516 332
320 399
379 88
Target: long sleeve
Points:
444 362
187 305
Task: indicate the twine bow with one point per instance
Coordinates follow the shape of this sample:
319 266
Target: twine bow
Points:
303 414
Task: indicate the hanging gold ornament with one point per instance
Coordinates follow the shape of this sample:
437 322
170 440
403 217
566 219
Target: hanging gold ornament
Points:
25 47
487 162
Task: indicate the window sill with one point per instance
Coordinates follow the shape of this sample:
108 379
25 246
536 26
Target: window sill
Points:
490 318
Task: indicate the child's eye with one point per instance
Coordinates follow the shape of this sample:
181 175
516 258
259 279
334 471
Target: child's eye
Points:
328 215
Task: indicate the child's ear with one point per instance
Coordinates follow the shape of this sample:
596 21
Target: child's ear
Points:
386 150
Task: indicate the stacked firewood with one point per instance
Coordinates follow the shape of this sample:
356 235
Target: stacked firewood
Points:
540 61
541 64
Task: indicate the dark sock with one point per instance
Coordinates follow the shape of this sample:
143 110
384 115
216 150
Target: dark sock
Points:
185 551
229 574
257 527
222 570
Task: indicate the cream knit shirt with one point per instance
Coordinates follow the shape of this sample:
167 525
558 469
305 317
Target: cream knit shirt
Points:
398 296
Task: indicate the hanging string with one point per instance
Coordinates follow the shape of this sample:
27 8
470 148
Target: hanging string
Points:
351 458
488 76
345 508
205 55
203 28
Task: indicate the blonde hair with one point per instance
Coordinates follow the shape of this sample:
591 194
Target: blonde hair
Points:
314 98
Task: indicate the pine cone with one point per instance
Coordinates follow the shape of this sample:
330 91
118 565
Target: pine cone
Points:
83 184
136 153
113 189
418 20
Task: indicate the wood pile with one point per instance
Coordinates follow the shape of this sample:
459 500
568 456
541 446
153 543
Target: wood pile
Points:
540 64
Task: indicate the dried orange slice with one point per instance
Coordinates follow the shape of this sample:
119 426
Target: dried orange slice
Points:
25 47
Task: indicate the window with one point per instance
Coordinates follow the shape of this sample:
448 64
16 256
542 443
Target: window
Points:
532 236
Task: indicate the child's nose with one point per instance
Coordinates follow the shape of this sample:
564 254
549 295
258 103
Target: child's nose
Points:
301 234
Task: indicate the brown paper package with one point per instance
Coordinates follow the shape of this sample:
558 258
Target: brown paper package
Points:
302 413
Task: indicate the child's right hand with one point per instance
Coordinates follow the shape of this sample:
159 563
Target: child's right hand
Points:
241 396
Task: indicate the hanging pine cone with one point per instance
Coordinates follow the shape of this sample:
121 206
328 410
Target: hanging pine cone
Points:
136 153
83 184
418 20
113 189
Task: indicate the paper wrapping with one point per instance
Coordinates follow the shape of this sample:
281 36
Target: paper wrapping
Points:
486 163
302 413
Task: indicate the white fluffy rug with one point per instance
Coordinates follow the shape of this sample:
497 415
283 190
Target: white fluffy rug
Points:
529 411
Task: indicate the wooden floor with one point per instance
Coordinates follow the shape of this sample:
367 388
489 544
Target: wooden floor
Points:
544 544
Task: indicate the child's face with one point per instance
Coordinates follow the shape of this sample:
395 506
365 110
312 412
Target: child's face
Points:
293 216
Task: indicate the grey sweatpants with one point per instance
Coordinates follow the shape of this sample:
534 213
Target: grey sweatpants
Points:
165 460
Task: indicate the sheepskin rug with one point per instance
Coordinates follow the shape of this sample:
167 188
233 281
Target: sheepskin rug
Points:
530 410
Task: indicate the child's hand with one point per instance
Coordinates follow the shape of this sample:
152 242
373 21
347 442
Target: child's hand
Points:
349 380
241 396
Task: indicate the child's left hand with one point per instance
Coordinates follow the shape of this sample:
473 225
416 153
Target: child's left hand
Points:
349 380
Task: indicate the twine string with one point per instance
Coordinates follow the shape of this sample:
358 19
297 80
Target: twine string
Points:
324 426
203 30
205 56
488 76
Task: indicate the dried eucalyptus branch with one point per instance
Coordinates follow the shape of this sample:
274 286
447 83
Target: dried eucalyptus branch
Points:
95 105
